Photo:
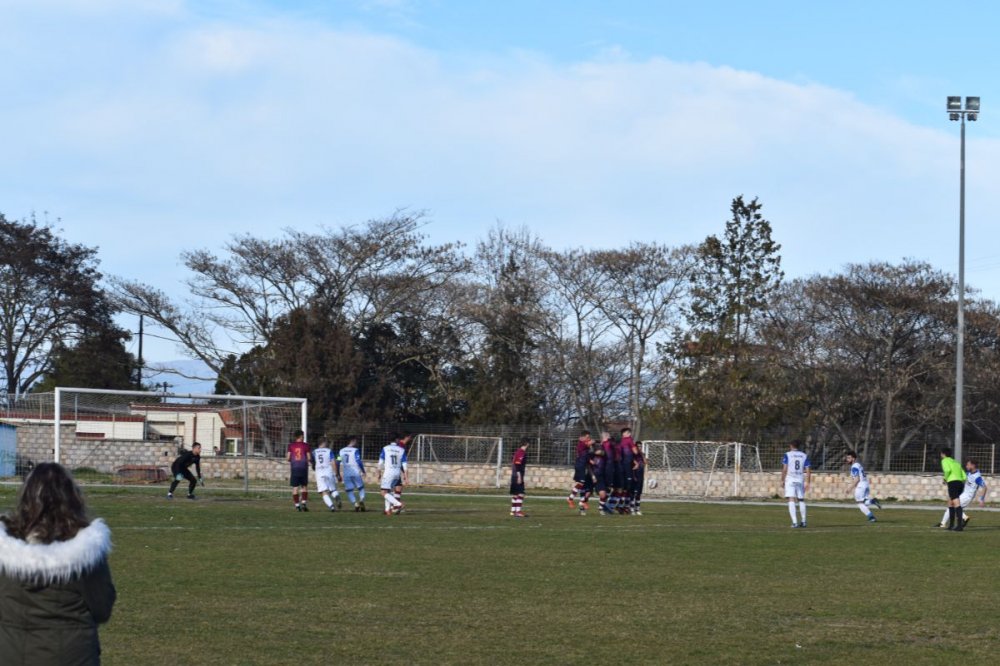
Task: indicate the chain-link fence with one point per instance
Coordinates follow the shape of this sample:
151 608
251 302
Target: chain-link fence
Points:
109 438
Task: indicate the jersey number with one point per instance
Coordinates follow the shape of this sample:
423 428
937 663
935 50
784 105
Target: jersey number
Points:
394 458
798 465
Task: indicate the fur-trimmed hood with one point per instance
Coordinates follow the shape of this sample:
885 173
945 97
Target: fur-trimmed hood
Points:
55 562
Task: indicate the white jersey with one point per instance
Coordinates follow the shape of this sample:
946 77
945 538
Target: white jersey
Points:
350 462
797 463
324 461
973 482
862 489
326 482
392 460
858 473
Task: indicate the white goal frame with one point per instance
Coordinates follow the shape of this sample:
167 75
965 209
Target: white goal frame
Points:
249 401
155 394
738 457
426 454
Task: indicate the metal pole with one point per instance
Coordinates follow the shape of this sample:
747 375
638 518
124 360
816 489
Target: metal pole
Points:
305 419
246 453
57 423
960 342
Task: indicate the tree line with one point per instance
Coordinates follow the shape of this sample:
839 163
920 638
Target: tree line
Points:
373 323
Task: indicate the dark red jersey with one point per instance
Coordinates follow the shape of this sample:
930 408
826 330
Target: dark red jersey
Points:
298 456
616 451
520 461
627 444
582 447
609 449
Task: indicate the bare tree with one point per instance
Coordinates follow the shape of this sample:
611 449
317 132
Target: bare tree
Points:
647 285
369 274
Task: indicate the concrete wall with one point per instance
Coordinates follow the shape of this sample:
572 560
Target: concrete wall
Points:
35 441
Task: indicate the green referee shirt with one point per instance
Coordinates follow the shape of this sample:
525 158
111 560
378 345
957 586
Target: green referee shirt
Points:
952 470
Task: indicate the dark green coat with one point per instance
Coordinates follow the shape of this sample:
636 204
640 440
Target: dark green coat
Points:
53 596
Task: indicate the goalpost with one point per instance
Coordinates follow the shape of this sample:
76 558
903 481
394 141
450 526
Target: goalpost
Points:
460 460
704 462
131 436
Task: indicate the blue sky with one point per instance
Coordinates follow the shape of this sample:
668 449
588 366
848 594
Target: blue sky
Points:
149 127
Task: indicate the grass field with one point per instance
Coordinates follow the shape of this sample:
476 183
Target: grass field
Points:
230 580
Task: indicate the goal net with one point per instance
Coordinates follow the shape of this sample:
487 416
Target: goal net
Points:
473 461
699 468
132 437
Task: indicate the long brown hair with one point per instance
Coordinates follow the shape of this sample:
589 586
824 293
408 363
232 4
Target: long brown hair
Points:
49 506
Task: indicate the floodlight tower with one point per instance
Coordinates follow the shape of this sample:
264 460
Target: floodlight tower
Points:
957 112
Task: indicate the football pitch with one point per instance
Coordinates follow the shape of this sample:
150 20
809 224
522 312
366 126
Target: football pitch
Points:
234 580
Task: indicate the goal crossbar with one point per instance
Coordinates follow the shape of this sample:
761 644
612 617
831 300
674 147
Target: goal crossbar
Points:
57 416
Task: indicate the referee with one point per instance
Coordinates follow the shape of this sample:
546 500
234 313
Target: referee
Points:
954 476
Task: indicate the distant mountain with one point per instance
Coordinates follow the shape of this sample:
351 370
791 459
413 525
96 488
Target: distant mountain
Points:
182 376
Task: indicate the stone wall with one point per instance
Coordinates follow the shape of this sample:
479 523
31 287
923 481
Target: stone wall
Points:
35 441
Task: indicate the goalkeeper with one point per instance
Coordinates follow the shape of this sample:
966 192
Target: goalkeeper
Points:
179 470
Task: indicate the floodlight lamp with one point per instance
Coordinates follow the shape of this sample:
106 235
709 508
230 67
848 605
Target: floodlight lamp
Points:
973 116
954 103
972 104
953 116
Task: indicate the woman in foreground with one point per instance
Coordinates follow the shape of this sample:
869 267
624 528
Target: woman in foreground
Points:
55 584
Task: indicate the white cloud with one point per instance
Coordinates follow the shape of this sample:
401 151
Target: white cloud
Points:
205 128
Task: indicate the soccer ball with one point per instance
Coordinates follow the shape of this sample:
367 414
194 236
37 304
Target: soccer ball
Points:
651 483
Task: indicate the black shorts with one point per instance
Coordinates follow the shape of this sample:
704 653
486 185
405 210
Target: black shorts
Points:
516 488
299 479
638 479
580 470
955 489
619 480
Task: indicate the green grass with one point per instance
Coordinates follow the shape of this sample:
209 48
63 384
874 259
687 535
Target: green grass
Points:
228 580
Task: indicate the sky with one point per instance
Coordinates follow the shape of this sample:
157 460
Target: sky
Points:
150 127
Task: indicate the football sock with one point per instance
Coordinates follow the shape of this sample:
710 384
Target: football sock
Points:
386 502
295 498
328 501
951 516
398 495
947 514
802 510
361 493
791 510
173 487
863 508
305 496
350 496
604 505
391 500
